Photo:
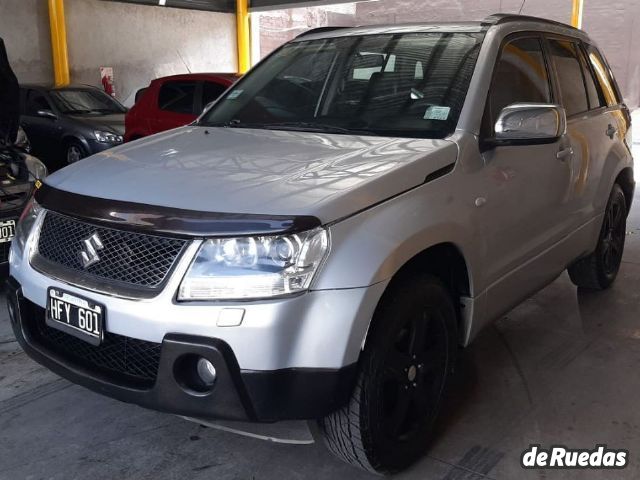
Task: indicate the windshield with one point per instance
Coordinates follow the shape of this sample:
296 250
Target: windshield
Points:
406 85
85 101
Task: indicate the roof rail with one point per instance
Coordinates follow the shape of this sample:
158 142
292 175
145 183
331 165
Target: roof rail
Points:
500 18
319 30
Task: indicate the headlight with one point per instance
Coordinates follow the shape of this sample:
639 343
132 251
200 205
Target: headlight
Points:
25 225
107 137
254 267
35 167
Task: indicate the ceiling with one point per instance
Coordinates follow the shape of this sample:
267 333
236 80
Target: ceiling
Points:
230 5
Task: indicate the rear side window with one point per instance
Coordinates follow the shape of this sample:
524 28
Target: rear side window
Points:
570 78
594 92
211 91
604 76
177 97
520 76
139 94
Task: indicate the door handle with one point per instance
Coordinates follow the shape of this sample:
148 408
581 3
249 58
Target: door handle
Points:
564 153
611 131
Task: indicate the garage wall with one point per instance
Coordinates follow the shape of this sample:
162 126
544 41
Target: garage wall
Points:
142 42
139 42
24 26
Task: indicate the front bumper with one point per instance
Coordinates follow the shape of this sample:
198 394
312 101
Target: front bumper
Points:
12 214
264 396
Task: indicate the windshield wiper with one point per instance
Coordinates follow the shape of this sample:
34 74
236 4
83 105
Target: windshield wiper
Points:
314 127
297 126
105 110
73 111
235 123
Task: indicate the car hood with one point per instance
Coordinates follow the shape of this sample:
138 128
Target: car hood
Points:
269 172
113 123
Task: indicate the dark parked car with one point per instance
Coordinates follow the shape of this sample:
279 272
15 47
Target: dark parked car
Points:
19 173
171 102
67 124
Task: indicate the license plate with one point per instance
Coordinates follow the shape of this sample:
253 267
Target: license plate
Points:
75 315
7 230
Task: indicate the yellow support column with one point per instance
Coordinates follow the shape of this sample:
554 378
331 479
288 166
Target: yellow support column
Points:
576 13
243 36
59 42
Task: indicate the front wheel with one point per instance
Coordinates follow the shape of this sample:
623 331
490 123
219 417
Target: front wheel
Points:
403 372
600 269
74 152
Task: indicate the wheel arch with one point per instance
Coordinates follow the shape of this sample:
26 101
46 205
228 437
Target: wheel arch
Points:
627 184
446 262
71 138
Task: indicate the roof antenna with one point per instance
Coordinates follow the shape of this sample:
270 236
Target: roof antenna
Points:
522 6
185 63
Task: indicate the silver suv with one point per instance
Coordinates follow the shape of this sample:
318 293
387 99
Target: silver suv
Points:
320 242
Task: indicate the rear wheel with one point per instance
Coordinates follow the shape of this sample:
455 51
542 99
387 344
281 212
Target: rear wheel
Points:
599 270
403 373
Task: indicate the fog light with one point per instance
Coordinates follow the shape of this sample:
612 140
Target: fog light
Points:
206 372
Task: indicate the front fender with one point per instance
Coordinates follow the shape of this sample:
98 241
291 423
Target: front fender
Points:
372 246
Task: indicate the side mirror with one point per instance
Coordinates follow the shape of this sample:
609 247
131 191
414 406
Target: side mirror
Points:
529 123
47 114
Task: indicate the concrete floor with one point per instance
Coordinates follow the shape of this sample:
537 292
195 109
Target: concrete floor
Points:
562 368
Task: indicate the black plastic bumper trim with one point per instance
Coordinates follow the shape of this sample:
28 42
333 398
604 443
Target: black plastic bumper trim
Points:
244 395
157 219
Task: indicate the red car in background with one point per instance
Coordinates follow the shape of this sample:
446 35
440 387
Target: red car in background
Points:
171 102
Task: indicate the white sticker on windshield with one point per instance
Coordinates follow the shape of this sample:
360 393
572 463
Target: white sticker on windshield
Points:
234 94
435 112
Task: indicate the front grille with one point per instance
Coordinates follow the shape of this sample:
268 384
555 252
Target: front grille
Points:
128 258
4 251
123 359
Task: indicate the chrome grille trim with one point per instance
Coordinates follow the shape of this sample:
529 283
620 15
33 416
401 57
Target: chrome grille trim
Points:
131 264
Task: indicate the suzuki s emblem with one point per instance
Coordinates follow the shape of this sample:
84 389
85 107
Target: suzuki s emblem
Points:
89 253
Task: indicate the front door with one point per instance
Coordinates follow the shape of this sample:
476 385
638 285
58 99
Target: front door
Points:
176 105
526 190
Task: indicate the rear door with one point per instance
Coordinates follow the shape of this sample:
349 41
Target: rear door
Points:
587 124
614 118
177 105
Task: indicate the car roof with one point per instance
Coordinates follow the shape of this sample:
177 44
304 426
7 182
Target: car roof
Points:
495 20
49 87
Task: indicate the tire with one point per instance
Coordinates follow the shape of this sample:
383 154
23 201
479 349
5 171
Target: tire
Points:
403 373
599 270
73 152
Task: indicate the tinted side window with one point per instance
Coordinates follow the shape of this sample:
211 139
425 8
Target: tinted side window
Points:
570 78
604 76
177 97
140 93
594 92
210 92
520 76
36 101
